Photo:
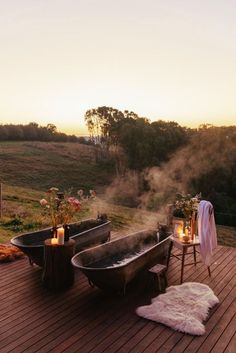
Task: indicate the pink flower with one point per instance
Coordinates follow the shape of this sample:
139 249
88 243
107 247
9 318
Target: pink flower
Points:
43 202
74 202
61 207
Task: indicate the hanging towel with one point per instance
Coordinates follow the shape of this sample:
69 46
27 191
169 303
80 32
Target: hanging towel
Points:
206 231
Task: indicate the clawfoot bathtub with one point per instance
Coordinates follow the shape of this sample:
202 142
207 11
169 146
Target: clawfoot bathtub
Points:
113 265
86 233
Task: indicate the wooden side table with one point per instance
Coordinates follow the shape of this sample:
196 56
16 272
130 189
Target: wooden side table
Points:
58 272
184 247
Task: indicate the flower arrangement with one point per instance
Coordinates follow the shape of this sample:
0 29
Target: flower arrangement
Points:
61 207
186 205
51 204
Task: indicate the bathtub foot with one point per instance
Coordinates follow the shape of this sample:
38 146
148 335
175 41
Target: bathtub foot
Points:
91 283
31 262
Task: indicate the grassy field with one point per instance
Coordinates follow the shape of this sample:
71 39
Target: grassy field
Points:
40 165
28 169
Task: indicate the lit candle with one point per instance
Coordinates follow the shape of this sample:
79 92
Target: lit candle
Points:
54 241
181 235
60 236
178 229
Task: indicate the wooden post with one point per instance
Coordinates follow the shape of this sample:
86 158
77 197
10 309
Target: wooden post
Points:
0 200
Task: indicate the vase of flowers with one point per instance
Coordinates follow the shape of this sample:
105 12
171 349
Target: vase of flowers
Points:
185 207
60 208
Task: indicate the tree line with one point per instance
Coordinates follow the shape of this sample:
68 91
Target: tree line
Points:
35 132
144 143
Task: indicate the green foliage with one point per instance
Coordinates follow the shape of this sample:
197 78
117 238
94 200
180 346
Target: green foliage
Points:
216 177
15 224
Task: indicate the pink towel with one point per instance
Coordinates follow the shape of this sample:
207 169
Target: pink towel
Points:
206 231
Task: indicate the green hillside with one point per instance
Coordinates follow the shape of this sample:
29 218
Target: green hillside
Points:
40 165
28 169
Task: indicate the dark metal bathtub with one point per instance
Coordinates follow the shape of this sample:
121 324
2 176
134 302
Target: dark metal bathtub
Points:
86 233
113 265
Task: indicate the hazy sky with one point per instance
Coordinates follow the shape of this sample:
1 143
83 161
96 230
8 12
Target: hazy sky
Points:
169 59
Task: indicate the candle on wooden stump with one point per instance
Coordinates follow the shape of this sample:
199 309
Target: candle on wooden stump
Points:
54 241
60 235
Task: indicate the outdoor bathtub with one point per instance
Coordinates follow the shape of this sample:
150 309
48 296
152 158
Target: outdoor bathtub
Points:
113 265
86 233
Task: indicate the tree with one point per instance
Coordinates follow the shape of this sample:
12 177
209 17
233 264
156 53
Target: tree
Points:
102 123
52 128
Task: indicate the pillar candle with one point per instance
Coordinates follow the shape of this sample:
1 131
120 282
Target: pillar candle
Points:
60 236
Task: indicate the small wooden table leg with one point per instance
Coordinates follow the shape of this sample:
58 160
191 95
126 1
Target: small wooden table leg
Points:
169 253
209 271
165 279
182 264
194 255
159 282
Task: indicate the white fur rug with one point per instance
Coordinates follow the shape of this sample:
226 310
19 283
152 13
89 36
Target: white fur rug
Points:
182 307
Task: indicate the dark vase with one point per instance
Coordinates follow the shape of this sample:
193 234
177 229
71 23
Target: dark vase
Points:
67 232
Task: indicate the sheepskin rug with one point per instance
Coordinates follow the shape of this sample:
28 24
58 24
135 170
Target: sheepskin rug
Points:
182 307
9 253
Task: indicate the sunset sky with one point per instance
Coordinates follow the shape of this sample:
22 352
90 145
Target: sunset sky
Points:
170 60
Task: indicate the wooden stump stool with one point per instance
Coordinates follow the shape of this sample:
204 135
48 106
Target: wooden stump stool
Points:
58 273
159 273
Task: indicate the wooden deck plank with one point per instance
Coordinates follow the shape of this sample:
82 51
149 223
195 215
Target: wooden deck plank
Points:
53 314
95 322
226 336
103 331
222 323
85 319
39 311
231 346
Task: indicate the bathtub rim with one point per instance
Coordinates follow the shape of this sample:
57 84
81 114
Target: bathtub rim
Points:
108 244
16 239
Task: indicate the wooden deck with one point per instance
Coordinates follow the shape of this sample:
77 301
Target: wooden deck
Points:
84 319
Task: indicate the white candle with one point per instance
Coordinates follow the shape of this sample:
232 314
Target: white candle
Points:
60 236
54 241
